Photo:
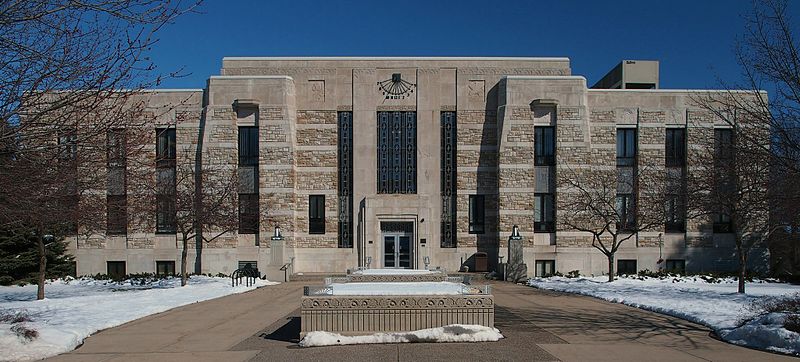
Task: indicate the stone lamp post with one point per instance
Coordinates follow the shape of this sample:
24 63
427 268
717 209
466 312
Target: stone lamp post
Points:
516 270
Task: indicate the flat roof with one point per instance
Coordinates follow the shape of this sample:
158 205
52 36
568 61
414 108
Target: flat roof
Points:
399 58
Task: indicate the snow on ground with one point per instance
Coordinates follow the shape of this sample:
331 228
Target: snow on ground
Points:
395 272
450 333
74 309
398 288
716 305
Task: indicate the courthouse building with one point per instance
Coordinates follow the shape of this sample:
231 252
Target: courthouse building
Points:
414 162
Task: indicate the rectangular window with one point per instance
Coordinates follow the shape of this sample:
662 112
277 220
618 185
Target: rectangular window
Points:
397 152
316 214
165 147
722 223
626 267
165 181
248 213
248 180
544 213
116 214
345 179
675 266
626 146
68 145
165 267
675 147
545 268
477 221
115 269
724 178
449 190
723 144
545 146
248 146
626 212
675 218
116 148
247 264
165 214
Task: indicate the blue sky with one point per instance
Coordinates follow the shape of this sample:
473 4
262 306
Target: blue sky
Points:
693 39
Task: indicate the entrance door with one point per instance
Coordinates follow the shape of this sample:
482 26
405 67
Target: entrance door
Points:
397 251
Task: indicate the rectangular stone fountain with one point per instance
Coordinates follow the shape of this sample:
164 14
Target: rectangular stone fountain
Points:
382 300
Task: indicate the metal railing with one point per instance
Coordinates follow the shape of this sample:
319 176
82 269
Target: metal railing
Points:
249 275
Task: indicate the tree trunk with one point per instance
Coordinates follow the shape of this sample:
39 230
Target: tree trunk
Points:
184 254
42 268
742 270
610 267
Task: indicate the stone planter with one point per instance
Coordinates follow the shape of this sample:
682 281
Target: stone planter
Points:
359 315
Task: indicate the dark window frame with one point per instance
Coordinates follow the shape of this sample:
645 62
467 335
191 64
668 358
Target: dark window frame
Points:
248 214
544 140
627 147
675 218
116 214
448 168
344 128
675 266
675 147
170 267
316 214
545 222
113 269
626 265
248 148
166 148
397 152
477 214
544 263
628 214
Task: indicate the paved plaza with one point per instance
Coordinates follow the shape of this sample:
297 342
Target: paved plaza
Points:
263 325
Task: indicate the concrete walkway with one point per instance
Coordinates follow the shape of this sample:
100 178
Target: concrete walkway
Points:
263 325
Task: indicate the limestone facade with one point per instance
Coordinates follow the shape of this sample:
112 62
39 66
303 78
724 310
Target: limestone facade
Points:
498 102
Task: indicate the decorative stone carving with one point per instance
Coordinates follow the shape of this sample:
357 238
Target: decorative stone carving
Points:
317 90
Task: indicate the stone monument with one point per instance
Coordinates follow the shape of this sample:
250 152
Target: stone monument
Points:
516 270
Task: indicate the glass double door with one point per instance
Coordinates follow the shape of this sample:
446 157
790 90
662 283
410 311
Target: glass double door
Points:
397 250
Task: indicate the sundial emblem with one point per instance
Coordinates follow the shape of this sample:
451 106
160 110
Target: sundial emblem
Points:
396 87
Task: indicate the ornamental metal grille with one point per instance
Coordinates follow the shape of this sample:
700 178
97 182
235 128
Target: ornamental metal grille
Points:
448 168
345 192
397 152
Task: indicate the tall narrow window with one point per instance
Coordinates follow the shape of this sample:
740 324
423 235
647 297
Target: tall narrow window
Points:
397 152
248 180
725 180
626 146
345 187
544 213
477 219
448 178
316 214
116 201
165 179
68 172
545 146
675 147
68 145
626 212
675 162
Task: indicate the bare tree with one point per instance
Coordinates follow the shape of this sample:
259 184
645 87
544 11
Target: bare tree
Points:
591 204
730 180
206 205
71 73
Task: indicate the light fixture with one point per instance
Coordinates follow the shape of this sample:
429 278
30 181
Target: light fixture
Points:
277 235
515 233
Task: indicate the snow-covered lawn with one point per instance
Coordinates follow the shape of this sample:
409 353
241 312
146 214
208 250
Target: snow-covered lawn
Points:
450 333
75 308
716 305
